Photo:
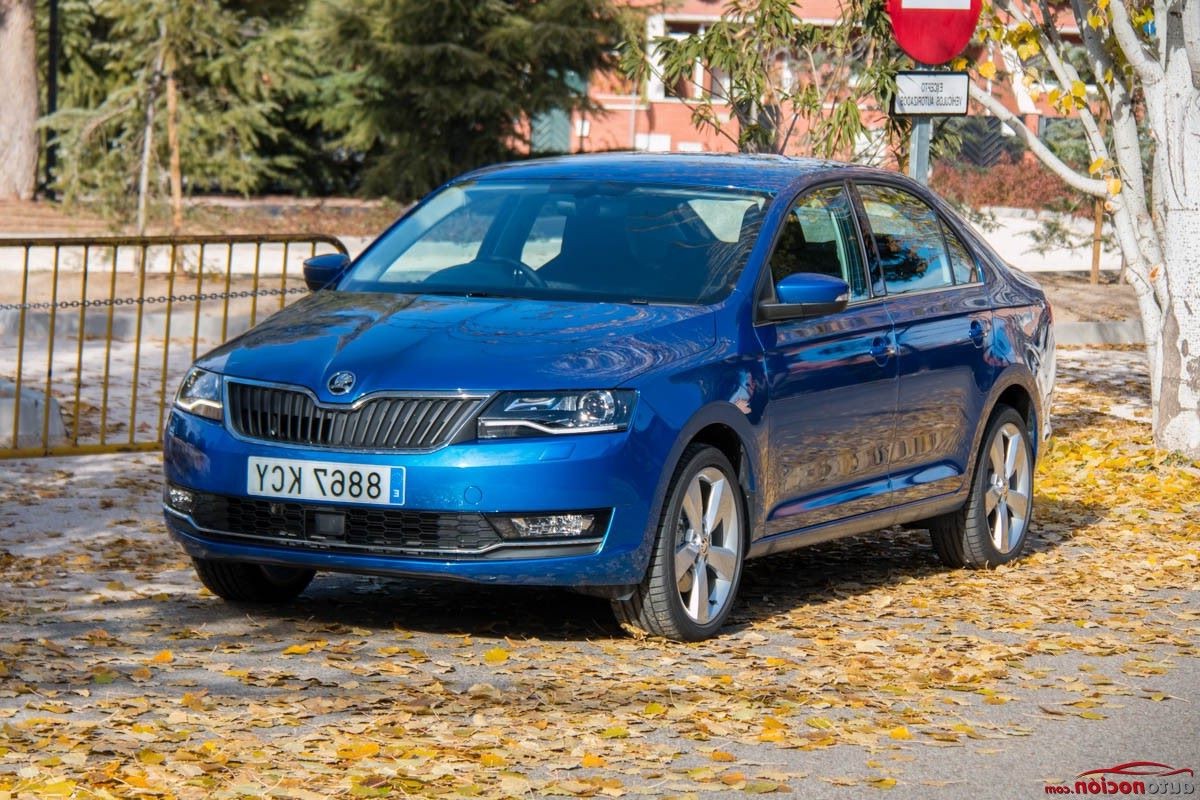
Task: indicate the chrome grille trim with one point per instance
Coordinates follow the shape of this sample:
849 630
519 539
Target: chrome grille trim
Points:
380 422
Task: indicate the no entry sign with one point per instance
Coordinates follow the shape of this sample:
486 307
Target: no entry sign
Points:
933 31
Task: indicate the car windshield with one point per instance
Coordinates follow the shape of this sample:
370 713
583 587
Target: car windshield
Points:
574 240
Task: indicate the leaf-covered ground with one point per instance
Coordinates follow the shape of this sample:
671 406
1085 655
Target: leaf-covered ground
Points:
851 667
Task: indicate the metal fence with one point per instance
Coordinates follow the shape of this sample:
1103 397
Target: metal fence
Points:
95 333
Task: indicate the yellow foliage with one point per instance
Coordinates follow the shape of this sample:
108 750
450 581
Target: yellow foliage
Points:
496 655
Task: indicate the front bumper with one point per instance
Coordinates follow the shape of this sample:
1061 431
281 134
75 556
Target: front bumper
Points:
467 481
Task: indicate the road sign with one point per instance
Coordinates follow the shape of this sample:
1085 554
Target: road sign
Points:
936 94
933 31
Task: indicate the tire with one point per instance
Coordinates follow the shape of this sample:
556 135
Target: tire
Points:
696 565
239 582
992 526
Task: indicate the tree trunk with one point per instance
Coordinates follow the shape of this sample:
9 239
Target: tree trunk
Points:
1177 413
147 146
144 168
18 122
1174 104
173 148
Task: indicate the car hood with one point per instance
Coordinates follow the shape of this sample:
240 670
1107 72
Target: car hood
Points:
433 343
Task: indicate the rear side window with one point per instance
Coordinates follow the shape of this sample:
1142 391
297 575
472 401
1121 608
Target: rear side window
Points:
908 238
818 236
961 260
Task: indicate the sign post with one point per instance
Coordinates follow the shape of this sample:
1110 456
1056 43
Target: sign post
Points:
918 150
932 32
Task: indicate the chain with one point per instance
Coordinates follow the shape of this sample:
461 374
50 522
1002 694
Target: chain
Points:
139 301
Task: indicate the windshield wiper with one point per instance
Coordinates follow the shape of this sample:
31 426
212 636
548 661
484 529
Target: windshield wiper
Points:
466 293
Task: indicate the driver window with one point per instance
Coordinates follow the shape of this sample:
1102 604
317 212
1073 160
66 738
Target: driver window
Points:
454 239
546 234
819 236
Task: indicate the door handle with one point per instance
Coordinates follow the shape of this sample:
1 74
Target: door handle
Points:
978 332
882 349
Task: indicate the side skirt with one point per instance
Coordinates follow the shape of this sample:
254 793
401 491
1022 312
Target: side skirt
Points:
863 523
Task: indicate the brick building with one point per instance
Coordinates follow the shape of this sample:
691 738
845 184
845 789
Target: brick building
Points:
654 118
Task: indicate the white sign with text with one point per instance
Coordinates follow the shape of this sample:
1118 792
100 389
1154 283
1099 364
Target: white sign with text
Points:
940 94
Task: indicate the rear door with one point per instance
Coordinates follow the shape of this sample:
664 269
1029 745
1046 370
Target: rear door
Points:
943 328
831 379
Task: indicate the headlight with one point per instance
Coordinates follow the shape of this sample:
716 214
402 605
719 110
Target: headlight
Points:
541 413
200 394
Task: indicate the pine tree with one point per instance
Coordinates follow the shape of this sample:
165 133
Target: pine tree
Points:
428 88
188 87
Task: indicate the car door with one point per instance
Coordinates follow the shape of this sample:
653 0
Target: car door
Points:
831 379
942 317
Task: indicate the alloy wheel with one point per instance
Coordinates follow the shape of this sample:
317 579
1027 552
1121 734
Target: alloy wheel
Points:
708 545
1009 485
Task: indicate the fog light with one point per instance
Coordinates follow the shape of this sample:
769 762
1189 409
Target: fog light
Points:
577 525
181 500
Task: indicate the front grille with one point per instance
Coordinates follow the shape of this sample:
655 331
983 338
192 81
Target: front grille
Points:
382 529
290 416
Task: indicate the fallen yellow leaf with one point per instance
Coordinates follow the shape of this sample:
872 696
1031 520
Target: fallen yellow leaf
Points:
732 778
353 752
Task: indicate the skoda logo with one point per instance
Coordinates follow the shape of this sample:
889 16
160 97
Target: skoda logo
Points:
341 382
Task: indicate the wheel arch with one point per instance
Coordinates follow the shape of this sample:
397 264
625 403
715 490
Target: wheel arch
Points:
727 428
1015 387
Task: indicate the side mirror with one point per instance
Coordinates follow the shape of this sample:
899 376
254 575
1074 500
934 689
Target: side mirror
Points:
322 270
806 294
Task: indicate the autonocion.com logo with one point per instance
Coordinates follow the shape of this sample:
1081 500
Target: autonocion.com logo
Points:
1132 778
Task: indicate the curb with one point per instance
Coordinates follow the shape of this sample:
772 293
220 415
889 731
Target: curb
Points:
29 430
1127 331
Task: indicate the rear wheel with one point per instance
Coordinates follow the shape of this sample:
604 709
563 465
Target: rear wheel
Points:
992 526
696 564
251 583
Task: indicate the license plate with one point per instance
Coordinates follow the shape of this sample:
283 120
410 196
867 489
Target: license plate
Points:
324 480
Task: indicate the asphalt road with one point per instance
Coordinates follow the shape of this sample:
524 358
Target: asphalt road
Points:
850 668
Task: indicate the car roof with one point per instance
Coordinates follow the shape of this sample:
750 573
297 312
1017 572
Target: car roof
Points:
763 173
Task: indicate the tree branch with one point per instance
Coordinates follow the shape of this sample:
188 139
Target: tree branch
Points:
695 106
1126 138
1101 60
1139 56
1064 71
1191 39
1096 188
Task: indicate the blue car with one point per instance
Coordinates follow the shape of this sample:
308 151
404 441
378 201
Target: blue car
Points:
624 374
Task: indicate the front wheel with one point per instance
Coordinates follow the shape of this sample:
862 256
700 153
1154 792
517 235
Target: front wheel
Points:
238 582
696 564
992 526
